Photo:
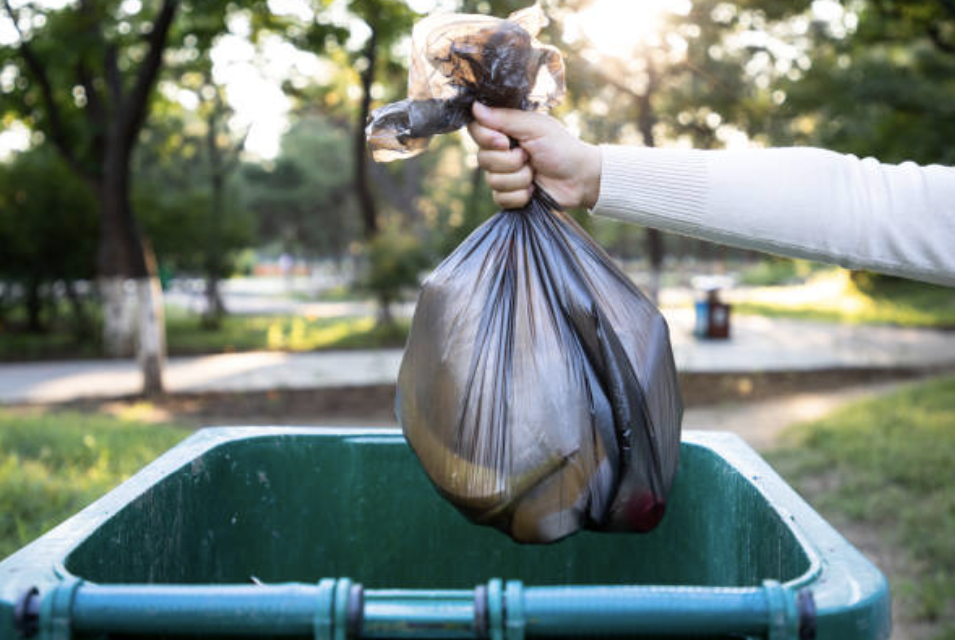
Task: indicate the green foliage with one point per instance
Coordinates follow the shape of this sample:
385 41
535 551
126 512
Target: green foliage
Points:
186 336
887 464
105 41
52 465
281 333
832 296
47 220
183 191
885 90
774 271
180 222
59 339
304 201
48 233
396 259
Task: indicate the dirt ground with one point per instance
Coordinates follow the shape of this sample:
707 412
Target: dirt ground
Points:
374 405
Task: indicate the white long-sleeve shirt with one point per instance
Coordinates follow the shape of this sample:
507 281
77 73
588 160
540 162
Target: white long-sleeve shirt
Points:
798 202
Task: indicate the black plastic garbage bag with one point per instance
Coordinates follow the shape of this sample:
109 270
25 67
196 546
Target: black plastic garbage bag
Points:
538 387
457 59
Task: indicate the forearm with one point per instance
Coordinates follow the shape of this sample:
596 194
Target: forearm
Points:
799 202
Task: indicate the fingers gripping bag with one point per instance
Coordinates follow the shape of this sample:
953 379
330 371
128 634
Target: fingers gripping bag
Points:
538 387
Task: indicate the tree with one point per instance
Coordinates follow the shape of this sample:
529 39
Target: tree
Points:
395 259
185 194
305 202
387 21
687 81
222 152
48 231
879 85
92 106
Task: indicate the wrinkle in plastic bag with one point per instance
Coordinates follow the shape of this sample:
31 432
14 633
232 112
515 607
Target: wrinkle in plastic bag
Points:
538 387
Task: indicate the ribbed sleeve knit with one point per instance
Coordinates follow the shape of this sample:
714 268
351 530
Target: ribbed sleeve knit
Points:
798 202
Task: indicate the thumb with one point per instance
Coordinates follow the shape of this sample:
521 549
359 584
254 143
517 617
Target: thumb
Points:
523 125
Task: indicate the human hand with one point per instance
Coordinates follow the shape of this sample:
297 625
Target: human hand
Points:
562 165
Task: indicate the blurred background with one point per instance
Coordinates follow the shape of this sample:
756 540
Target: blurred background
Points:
191 233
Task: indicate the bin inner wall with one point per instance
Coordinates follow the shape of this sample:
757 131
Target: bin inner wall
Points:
303 507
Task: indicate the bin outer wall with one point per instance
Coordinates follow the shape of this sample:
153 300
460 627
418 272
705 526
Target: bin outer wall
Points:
851 595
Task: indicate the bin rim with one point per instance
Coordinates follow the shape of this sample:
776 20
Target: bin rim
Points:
207 439
828 574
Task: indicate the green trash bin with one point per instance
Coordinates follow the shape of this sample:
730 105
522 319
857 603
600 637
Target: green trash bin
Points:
336 534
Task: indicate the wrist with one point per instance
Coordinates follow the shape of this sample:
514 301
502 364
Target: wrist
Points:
590 170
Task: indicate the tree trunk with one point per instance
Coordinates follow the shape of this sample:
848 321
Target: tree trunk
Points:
120 254
152 324
34 306
115 114
119 326
384 317
645 122
152 342
212 318
366 200
122 258
215 309
82 325
655 252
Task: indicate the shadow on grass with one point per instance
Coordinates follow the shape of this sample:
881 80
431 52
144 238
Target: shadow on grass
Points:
887 464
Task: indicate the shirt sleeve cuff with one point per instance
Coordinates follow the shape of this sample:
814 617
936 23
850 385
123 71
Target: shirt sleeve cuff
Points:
660 188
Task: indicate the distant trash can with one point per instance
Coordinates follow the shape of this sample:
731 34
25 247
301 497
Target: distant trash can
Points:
252 532
712 317
712 314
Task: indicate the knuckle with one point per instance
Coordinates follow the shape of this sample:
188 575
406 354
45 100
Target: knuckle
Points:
515 159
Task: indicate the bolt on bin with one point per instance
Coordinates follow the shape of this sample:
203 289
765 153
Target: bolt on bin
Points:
338 534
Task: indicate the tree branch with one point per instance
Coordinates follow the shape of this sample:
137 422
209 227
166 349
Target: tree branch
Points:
235 154
96 113
148 71
935 35
949 6
114 81
57 131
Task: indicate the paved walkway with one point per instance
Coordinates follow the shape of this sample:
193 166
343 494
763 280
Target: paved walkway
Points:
758 344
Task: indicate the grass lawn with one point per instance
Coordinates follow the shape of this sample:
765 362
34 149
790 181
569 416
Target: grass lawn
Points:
889 463
52 465
184 335
832 296
21 345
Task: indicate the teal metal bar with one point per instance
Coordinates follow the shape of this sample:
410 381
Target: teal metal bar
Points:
340 610
249 611
672 611
419 614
